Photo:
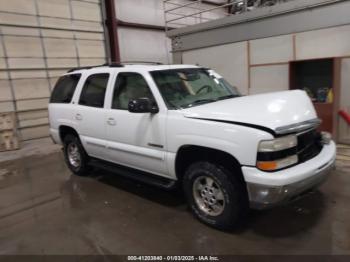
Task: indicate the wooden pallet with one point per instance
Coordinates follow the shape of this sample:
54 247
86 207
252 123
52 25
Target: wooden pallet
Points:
8 132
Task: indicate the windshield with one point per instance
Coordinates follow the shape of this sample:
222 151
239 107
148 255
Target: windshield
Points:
183 88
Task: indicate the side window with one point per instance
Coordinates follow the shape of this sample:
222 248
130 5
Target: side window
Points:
129 86
94 89
64 89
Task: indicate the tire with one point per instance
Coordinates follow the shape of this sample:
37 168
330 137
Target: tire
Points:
77 162
231 205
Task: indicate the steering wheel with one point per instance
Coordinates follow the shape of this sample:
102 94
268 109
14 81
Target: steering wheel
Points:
208 87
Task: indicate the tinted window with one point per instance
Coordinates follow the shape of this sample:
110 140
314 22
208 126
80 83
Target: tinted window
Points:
64 89
127 87
93 93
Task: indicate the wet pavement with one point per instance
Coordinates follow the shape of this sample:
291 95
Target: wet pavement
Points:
44 209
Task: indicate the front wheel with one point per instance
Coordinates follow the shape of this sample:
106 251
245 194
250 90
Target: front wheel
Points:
75 155
215 196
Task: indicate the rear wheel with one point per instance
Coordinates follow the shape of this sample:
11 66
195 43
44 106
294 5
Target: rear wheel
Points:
215 196
75 155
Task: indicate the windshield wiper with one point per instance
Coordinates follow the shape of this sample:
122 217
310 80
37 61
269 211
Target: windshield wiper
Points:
203 101
227 97
200 101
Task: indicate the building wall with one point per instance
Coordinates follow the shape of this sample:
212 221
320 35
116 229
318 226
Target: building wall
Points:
39 41
266 67
231 61
142 44
139 44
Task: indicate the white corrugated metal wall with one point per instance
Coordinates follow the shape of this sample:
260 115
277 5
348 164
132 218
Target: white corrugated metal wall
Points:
40 40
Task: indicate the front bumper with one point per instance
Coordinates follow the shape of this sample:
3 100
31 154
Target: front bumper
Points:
270 189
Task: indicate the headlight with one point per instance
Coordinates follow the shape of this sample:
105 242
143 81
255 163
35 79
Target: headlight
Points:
277 153
278 144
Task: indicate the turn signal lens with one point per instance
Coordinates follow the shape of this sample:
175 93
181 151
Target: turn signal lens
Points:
268 166
277 164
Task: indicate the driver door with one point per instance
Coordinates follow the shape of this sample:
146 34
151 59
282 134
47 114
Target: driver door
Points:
136 140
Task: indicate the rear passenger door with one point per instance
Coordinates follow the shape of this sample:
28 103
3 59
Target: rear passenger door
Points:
90 114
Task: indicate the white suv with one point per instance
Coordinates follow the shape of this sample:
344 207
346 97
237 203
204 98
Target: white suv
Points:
171 125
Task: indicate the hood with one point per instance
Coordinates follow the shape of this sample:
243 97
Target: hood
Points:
271 110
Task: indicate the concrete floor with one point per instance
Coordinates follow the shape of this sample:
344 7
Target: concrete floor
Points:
46 210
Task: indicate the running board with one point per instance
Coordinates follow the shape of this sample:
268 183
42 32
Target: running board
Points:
134 174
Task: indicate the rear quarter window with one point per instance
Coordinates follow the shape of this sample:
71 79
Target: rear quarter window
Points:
64 89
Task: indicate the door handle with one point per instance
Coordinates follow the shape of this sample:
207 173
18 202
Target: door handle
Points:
78 117
111 121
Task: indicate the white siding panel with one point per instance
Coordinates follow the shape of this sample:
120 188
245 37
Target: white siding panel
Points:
38 37
23 46
18 6
34 88
140 11
26 105
230 61
66 62
271 50
14 19
35 132
86 11
28 74
2 63
62 48
266 79
5 91
144 45
56 8
6 107
26 63
331 42
87 48
23 116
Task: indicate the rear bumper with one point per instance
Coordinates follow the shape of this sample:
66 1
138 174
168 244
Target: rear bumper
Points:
270 189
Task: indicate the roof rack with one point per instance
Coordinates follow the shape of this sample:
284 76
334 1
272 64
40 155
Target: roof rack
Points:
113 64
79 68
142 62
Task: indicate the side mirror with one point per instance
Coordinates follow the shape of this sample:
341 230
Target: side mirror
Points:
143 105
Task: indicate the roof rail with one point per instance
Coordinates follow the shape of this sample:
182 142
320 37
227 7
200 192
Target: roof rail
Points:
113 64
142 62
79 68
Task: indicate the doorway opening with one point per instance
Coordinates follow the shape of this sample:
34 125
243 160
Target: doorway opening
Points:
317 79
